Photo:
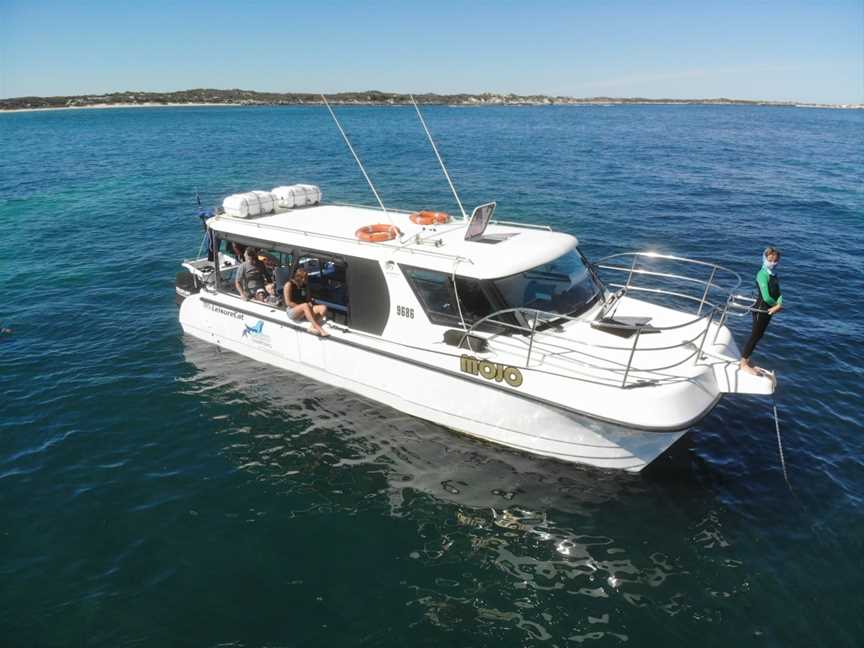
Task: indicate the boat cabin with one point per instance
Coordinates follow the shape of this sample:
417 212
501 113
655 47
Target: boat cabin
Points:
430 274
493 328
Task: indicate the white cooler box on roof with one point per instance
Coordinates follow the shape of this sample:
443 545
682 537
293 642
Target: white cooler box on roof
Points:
299 195
249 204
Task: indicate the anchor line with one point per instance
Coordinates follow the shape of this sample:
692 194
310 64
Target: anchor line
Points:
780 443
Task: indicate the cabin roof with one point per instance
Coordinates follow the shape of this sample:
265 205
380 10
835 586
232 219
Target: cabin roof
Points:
331 228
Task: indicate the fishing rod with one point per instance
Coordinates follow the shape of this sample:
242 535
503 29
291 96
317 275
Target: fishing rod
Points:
359 163
440 161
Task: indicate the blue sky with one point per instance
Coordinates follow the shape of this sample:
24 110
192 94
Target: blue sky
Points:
789 50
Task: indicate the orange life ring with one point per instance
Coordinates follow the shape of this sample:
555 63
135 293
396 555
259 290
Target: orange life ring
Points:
430 218
377 233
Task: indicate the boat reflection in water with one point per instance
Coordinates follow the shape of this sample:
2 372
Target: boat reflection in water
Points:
290 423
490 518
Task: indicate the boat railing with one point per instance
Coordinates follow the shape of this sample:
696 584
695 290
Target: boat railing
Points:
545 326
545 228
738 306
265 227
720 285
709 296
718 291
405 248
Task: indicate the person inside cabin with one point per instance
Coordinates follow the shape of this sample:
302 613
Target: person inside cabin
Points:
272 298
299 304
769 301
260 295
251 275
281 276
239 251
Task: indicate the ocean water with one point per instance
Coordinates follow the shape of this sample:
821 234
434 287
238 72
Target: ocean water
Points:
155 491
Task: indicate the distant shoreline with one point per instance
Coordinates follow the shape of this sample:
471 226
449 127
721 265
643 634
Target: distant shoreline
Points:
211 97
514 105
118 105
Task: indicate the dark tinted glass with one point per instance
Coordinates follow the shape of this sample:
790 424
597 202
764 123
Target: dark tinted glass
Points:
564 286
435 292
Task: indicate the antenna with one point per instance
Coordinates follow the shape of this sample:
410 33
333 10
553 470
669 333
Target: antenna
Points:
359 163
440 161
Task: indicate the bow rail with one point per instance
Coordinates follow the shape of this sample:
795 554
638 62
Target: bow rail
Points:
706 288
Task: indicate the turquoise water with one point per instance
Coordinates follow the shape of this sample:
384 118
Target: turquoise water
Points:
155 491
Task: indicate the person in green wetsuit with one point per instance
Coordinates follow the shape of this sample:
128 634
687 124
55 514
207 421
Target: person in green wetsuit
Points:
768 302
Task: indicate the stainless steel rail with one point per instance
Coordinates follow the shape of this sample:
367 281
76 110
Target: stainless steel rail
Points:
726 274
265 227
546 228
739 306
713 297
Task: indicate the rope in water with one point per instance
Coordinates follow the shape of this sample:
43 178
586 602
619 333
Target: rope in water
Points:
780 443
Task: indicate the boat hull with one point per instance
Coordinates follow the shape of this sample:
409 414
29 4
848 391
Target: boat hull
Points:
447 398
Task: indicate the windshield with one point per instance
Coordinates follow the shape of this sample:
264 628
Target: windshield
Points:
564 286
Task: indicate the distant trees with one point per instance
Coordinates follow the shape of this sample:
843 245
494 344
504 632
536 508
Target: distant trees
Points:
368 97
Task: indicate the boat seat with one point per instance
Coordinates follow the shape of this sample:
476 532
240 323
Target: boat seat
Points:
280 277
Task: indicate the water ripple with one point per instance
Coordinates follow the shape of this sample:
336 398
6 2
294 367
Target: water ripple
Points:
146 477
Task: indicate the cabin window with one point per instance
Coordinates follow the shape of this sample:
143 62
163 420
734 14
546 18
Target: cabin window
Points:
435 292
327 283
565 286
332 281
277 265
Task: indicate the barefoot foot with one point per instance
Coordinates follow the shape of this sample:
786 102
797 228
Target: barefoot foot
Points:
749 369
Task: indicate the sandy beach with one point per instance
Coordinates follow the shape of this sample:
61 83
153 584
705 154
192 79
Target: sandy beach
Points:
495 101
120 105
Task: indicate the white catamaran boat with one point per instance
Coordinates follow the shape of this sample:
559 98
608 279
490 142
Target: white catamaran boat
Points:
500 330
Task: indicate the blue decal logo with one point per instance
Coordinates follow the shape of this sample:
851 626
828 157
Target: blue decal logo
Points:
254 330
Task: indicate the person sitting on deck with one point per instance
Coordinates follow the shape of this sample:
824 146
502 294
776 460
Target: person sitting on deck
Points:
300 305
251 275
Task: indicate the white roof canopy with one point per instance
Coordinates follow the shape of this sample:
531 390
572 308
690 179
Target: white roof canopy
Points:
331 228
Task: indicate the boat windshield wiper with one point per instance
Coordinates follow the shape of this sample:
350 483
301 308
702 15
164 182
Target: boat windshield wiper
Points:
558 319
576 312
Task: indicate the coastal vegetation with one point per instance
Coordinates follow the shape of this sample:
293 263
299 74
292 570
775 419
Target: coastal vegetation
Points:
208 96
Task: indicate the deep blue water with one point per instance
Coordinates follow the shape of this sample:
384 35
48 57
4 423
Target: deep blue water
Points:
157 492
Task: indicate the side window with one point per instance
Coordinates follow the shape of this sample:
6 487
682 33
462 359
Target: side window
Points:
270 262
228 262
473 300
434 291
327 283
